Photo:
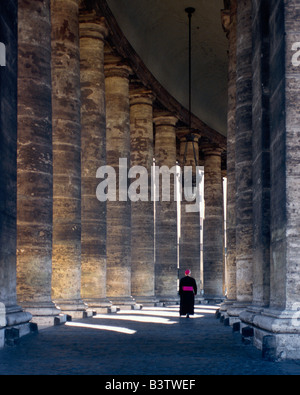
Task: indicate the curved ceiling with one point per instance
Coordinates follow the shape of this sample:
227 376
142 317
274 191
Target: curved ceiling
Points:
158 31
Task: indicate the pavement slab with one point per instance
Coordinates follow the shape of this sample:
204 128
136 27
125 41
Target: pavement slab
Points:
151 341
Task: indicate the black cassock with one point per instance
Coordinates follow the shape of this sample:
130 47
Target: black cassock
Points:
187 292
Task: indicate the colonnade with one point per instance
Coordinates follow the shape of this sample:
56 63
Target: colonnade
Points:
263 199
79 98
81 106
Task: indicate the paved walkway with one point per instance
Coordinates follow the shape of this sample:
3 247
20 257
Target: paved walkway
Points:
153 341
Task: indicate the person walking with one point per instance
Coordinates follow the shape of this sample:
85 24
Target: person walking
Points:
187 292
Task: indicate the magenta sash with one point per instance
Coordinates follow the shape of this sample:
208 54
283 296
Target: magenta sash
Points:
187 288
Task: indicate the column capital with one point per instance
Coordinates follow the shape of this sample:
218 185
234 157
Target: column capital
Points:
226 21
140 95
227 16
114 64
165 119
185 135
209 148
92 26
122 70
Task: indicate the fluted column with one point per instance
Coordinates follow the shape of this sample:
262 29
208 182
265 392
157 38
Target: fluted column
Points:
66 157
213 224
34 162
142 214
189 244
118 212
93 145
166 210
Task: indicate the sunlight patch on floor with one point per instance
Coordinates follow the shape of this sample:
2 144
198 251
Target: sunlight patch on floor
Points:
155 313
102 327
136 318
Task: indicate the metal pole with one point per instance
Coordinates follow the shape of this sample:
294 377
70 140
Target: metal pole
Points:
190 12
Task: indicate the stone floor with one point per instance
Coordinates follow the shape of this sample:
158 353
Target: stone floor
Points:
152 341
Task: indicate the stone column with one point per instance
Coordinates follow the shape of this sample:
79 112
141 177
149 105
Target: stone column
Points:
10 312
142 210
189 242
118 212
243 168
34 162
213 223
285 206
277 328
93 145
229 25
166 210
66 157
261 161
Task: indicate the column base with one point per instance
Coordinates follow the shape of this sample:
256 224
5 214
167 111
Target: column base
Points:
16 316
44 314
124 303
146 300
98 306
226 305
213 299
199 300
17 324
277 334
167 300
74 308
222 313
247 316
234 311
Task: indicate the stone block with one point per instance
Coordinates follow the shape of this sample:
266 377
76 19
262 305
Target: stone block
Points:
12 336
51 320
113 309
226 321
269 348
136 307
88 313
233 321
247 331
247 334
